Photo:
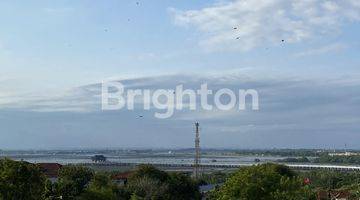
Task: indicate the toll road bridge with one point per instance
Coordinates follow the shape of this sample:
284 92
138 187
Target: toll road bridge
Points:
233 166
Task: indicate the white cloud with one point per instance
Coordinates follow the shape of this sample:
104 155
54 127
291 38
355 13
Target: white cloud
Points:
264 22
292 111
322 50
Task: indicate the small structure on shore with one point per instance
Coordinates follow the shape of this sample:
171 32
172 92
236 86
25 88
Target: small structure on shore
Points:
98 158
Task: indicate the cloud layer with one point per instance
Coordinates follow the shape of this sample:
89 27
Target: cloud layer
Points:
246 24
294 112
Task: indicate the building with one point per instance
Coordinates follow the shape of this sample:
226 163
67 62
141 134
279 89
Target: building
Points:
121 178
98 158
333 195
347 153
50 170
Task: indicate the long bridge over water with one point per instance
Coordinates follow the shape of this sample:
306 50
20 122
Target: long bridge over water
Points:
233 166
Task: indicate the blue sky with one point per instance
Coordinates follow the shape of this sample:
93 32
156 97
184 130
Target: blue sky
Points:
86 42
51 50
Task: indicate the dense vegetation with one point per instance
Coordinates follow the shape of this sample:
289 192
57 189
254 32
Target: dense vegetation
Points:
19 180
150 183
294 160
354 159
333 159
264 182
325 179
283 152
24 181
214 178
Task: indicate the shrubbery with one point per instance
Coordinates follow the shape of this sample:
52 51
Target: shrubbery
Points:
264 182
24 181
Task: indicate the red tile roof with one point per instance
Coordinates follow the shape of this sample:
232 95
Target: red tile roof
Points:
51 170
121 176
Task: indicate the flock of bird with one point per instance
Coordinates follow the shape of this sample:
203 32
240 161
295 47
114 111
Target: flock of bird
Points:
235 28
138 3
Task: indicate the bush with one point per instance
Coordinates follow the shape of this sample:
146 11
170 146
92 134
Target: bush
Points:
264 182
21 181
150 183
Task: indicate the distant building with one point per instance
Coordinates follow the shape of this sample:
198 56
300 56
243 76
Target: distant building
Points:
50 170
98 158
121 178
333 195
344 154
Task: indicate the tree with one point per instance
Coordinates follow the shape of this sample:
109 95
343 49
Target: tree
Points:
148 188
99 181
150 172
49 190
73 181
182 187
101 187
264 182
149 182
329 180
214 177
20 181
135 197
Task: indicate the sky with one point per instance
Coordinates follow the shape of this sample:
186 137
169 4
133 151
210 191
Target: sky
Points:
301 56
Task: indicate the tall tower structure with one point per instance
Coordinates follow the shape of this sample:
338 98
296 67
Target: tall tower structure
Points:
197 151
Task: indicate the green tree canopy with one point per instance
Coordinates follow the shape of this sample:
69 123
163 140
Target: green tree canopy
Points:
264 182
149 188
20 181
150 172
101 187
183 187
148 182
73 181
